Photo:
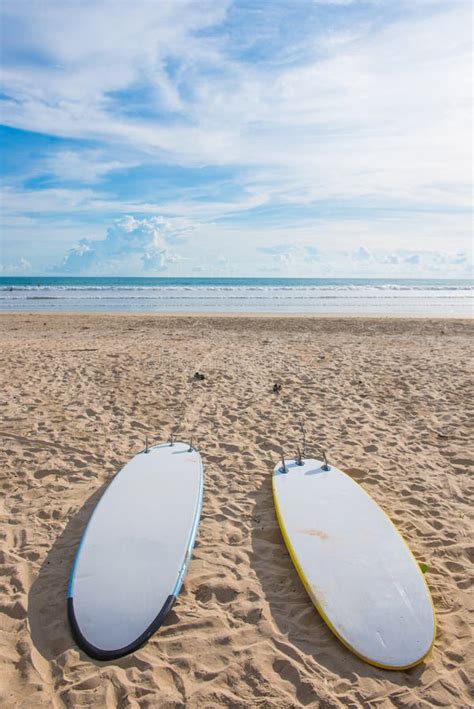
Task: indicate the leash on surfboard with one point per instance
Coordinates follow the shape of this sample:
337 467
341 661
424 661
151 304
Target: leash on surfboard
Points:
186 406
292 412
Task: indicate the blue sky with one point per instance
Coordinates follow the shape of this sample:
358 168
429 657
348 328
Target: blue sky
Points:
236 138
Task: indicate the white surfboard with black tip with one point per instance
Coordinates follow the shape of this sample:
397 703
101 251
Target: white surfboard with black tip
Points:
133 555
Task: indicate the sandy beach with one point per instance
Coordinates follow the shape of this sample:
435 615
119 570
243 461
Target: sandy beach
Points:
389 399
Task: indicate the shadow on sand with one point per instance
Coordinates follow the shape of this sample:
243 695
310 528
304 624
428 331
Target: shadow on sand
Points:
47 607
291 608
47 610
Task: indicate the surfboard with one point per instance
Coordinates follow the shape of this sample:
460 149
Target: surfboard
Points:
354 564
133 555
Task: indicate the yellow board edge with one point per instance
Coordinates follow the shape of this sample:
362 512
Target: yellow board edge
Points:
306 584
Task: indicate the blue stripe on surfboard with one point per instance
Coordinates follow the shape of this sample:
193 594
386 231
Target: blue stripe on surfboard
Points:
192 539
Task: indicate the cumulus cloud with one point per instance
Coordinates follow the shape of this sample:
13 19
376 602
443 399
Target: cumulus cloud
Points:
130 245
292 259
361 254
288 254
405 262
18 268
306 261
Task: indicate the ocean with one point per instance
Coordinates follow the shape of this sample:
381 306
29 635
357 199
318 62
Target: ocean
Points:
318 296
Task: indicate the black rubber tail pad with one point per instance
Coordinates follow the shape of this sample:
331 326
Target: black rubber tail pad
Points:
97 653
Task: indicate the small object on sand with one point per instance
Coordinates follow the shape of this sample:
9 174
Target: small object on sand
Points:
198 376
277 387
441 432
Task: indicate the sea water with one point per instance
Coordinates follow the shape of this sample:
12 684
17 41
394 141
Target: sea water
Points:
311 296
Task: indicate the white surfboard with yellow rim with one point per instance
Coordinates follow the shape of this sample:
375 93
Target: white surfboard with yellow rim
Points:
357 569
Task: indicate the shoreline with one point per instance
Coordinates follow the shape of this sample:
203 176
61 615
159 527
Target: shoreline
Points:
220 314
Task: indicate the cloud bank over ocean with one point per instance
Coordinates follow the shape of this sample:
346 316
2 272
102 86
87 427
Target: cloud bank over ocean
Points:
152 246
174 137
130 245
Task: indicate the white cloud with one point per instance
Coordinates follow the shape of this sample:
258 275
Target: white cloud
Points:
59 200
361 254
20 267
87 166
131 245
290 256
294 260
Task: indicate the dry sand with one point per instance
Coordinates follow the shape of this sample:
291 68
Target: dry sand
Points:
389 400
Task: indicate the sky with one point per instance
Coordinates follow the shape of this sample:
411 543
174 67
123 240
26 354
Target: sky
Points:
310 138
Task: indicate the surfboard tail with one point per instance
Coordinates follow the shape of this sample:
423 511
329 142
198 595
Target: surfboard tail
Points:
100 654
